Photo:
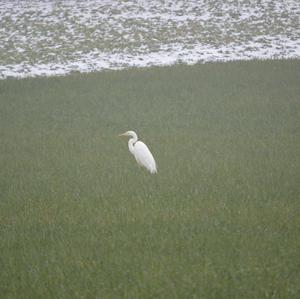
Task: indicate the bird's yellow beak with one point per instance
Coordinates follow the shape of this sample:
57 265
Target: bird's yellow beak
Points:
121 135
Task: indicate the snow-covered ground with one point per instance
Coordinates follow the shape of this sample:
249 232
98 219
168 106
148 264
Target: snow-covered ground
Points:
50 37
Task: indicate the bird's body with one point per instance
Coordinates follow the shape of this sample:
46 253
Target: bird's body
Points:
141 152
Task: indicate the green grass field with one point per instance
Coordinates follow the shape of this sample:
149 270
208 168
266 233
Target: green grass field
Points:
79 219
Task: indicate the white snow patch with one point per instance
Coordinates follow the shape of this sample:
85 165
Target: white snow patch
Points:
46 38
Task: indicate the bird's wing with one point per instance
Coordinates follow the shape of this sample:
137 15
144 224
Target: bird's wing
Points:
144 157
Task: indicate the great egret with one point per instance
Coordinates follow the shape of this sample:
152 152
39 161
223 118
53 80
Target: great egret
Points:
140 151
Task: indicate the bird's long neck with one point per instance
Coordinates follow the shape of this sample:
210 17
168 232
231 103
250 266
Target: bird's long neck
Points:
131 143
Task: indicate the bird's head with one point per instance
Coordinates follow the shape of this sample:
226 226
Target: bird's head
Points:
131 134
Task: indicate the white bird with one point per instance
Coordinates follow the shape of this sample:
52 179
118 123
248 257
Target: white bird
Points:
141 152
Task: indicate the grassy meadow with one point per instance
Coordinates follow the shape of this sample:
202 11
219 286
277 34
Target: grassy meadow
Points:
80 219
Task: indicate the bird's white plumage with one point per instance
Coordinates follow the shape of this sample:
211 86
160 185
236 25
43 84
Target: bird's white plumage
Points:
144 157
141 152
